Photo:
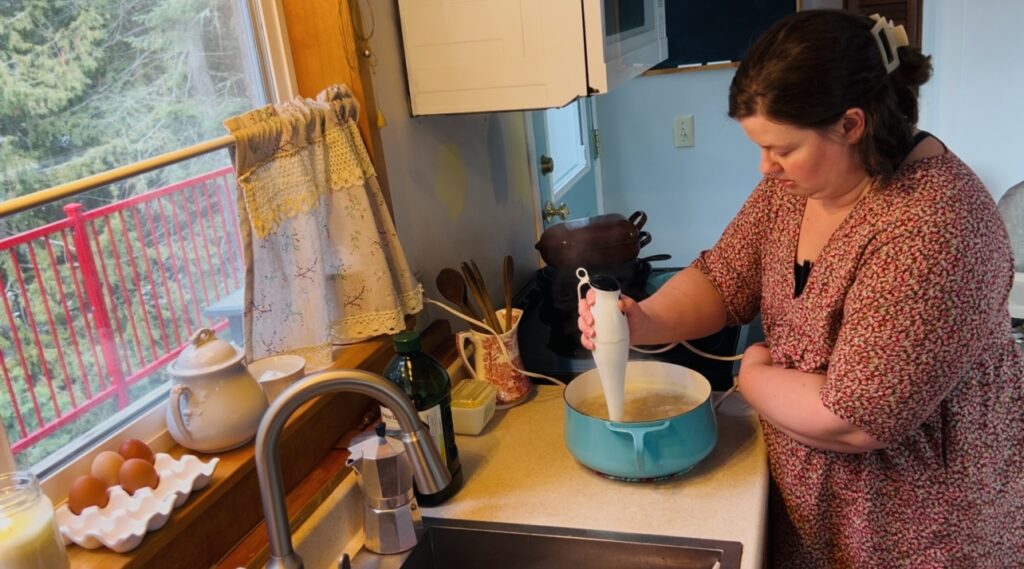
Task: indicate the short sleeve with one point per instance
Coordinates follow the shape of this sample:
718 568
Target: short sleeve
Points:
926 297
734 264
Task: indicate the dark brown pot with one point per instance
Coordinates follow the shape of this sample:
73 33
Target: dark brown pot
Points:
599 240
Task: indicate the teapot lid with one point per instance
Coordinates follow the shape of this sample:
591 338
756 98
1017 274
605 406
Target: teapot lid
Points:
205 353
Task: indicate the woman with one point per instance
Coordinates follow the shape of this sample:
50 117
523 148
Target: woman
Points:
889 387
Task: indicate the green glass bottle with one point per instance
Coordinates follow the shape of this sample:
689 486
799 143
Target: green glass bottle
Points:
427 384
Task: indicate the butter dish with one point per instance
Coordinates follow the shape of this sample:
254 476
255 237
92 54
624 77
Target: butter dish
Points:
473 403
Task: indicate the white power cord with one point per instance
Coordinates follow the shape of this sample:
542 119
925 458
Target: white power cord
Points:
505 353
491 331
690 347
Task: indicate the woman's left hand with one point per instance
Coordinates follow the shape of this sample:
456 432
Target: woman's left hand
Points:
756 356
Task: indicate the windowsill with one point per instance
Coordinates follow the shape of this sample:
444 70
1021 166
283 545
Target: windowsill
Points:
222 524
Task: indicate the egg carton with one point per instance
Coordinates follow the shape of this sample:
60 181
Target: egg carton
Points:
124 521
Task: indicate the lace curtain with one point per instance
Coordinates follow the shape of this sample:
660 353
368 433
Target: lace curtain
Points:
323 261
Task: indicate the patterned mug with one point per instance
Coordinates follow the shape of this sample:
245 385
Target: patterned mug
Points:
491 363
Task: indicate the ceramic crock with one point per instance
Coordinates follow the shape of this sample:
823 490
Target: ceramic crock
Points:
216 404
643 449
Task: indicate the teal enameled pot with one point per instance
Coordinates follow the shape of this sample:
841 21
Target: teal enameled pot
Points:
642 449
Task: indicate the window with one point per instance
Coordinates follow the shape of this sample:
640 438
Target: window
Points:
567 139
101 290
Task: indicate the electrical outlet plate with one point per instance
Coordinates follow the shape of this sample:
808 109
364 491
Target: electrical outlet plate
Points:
682 127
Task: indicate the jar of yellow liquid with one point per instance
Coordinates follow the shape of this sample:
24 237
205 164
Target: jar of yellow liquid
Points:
29 537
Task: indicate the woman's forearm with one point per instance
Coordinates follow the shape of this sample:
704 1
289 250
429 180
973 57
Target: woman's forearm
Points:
790 400
684 308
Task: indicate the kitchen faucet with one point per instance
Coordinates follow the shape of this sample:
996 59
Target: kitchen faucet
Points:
429 469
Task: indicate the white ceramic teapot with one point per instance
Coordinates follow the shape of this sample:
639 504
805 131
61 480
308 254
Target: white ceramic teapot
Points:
216 404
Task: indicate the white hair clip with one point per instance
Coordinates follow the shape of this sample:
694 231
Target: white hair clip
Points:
889 37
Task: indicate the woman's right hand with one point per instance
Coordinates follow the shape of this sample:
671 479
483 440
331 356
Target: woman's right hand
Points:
627 305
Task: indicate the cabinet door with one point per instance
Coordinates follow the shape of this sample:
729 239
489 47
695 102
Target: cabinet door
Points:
492 55
901 12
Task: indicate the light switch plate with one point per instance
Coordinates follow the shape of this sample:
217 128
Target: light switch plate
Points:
682 127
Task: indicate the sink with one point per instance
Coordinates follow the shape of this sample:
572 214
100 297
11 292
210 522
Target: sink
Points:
458 544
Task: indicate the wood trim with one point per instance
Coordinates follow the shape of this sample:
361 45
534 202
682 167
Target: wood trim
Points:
689 68
324 36
366 72
227 515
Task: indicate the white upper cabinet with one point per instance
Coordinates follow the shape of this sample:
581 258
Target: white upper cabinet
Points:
466 56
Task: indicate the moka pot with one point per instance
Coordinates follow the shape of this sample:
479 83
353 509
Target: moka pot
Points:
391 517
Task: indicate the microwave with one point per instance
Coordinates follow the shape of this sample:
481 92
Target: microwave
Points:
469 56
623 39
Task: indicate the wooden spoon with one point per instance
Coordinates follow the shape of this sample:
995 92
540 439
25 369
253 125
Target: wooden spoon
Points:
452 287
479 292
507 270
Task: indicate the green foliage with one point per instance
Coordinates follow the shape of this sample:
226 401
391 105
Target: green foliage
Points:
86 86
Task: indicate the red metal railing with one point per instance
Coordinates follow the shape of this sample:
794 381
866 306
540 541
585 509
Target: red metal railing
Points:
103 298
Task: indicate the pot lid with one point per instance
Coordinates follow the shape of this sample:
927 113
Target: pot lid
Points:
205 353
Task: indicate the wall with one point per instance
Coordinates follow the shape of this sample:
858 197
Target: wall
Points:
972 102
689 194
460 184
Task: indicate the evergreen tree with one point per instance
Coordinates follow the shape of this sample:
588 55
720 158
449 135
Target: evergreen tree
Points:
86 86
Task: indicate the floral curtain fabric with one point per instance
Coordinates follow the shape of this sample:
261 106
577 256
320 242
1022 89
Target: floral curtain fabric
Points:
323 261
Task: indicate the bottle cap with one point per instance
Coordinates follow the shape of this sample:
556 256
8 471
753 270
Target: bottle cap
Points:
407 341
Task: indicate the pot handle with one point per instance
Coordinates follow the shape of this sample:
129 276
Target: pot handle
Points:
638 434
177 391
638 219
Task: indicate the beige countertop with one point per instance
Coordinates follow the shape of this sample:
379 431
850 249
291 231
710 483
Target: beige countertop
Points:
518 470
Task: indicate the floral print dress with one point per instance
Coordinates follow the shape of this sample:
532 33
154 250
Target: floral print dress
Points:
905 313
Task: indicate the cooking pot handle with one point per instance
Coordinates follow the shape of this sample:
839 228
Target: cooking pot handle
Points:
638 219
644 239
638 434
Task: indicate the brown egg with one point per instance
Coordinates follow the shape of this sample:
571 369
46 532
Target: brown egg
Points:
137 473
106 466
134 448
87 490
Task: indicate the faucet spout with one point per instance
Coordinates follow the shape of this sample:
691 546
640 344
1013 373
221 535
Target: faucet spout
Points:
429 469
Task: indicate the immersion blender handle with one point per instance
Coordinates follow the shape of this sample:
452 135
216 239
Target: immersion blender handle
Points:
610 323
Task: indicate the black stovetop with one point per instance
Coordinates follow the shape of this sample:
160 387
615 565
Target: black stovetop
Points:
549 343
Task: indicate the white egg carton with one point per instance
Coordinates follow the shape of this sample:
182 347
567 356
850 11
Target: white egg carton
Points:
124 521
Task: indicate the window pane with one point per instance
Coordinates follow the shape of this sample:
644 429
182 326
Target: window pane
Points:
100 296
86 86
567 145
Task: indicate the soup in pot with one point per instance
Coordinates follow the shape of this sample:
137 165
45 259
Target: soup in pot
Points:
644 405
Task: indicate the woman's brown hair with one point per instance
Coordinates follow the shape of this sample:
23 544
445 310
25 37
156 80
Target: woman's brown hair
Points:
811 67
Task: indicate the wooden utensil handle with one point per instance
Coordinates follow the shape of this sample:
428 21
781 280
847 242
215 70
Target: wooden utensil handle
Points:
480 292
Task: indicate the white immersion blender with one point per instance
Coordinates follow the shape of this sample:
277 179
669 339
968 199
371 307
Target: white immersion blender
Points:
611 339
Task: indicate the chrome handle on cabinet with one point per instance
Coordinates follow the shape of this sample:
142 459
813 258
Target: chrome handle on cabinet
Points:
551 212
547 164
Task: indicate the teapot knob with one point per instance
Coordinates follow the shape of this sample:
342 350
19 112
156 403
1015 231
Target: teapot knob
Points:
202 336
